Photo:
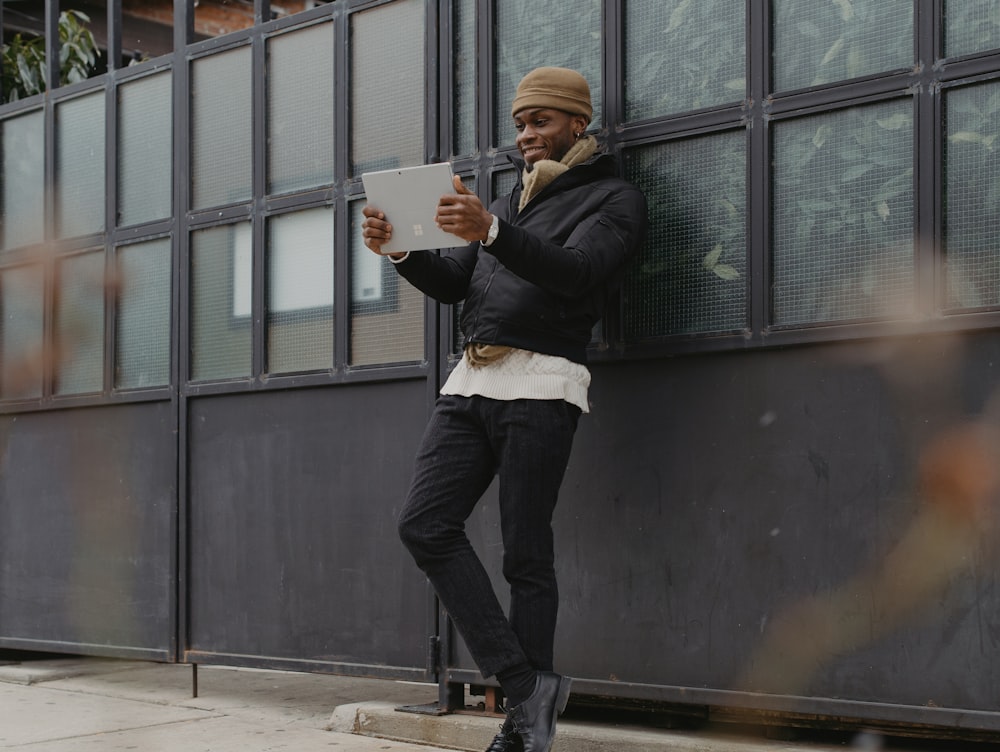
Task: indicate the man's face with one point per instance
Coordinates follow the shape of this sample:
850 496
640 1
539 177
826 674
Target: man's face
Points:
544 133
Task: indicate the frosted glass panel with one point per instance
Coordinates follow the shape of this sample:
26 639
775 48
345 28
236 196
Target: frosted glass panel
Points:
145 175
142 329
300 291
22 180
691 276
80 166
843 215
22 328
387 94
221 294
971 26
972 195
465 71
387 313
80 324
819 42
300 109
565 33
221 139
706 64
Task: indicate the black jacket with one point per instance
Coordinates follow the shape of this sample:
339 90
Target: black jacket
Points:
544 282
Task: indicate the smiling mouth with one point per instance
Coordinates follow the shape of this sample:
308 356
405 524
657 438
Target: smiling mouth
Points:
531 150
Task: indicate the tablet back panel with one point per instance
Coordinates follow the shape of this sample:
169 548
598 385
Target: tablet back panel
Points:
408 197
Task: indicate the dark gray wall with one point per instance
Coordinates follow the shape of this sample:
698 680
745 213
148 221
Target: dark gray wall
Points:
87 509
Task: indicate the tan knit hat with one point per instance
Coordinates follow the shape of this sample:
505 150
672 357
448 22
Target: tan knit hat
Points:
558 88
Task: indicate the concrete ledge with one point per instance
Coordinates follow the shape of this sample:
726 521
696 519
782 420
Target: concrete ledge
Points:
474 733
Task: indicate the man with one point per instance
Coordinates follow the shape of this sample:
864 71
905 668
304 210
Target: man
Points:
535 278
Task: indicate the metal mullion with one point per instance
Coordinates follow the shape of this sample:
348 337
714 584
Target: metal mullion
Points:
110 222
928 173
342 84
49 234
485 22
261 11
114 34
258 189
758 167
51 44
180 319
611 326
437 332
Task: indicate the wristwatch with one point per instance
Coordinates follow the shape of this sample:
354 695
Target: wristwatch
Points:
494 231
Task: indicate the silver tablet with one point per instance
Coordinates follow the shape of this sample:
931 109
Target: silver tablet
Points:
408 197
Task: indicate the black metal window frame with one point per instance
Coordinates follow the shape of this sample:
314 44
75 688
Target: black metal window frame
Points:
756 114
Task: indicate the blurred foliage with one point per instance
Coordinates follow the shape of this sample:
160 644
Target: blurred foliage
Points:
843 215
691 275
24 59
971 26
972 195
819 42
682 55
565 33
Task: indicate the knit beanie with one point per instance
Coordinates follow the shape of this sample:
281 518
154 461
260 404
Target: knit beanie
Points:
558 88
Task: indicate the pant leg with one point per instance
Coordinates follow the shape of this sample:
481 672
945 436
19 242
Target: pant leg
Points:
454 466
536 437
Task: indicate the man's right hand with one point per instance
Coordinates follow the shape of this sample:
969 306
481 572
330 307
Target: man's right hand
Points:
376 231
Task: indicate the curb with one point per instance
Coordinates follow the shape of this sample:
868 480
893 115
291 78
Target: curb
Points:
472 733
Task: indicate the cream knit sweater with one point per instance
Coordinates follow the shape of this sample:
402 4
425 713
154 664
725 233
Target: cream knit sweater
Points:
522 374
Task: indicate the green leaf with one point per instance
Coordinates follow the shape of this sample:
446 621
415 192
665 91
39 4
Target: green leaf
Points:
846 9
821 135
895 122
726 272
831 53
677 17
970 137
712 257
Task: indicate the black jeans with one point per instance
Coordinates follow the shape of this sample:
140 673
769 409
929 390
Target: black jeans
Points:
467 442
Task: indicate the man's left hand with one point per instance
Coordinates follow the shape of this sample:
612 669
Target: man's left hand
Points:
463 214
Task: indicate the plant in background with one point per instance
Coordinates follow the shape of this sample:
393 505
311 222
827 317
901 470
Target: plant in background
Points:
24 59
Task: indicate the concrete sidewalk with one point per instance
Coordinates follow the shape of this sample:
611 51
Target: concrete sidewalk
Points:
87 704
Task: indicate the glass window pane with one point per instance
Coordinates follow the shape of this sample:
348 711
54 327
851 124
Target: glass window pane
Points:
142 329
971 26
80 324
387 313
145 160
819 42
843 218
465 71
564 33
221 138
22 180
80 165
300 291
300 109
691 277
387 100
221 297
22 331
707 61
972 195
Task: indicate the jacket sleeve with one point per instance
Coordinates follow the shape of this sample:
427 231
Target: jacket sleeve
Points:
593 253
444 278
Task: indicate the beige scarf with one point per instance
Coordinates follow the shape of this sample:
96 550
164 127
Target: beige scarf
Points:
544 172
547 170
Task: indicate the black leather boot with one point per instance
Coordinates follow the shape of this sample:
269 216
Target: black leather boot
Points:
507 740
535 718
